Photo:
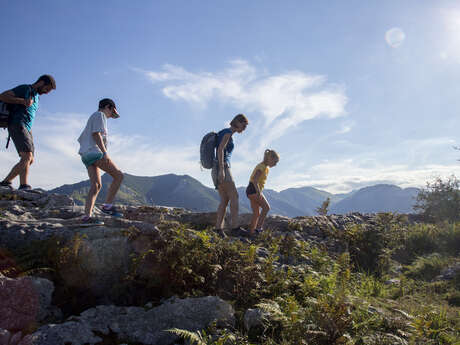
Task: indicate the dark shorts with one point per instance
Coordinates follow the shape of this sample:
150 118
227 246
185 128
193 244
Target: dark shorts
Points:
22 138
250 189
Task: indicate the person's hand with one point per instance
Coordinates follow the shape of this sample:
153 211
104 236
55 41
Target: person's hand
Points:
106 156
28 102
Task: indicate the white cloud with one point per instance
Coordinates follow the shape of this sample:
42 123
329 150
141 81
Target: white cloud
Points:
284 100
419 164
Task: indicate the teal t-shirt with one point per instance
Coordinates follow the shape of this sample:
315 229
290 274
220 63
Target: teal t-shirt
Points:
20 114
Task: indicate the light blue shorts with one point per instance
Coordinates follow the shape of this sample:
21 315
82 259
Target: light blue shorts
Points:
89 159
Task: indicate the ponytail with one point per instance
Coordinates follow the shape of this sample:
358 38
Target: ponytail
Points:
271 153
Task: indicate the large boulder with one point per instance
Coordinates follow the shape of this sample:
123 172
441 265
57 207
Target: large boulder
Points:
134 324
24 302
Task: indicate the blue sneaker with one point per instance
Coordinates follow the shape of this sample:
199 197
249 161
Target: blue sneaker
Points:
112 211
90 221
25 187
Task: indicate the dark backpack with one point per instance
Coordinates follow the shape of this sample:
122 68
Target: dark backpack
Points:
5 111
208 150
4 114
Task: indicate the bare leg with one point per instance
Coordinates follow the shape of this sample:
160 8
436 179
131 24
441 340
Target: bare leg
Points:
265 208
21 168
255 211
230 190
95 180
222 207
109 167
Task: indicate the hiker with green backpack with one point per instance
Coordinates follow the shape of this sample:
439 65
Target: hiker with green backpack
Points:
216 150
21 106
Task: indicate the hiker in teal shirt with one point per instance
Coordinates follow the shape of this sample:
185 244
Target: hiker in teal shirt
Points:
22 115
23 103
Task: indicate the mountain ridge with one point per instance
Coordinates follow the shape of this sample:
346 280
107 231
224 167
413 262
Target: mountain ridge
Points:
187 192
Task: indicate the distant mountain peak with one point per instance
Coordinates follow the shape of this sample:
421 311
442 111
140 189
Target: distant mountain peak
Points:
187 192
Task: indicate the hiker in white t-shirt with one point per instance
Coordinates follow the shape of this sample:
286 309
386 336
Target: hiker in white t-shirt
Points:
93 152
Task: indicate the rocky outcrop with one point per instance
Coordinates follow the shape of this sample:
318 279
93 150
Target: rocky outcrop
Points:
140 325
96 259
101 256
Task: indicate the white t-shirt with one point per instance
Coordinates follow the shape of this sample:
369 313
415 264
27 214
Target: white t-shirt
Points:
96 123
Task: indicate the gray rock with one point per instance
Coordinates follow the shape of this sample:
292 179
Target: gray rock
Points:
4 337
393 281
24 302
44 289
254 318
133 324
450 272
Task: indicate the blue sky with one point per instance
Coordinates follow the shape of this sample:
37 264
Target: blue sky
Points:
350 93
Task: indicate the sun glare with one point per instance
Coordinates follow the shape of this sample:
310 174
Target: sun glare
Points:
452 27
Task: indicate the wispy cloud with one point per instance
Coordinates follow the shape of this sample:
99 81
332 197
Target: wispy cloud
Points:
413 163
284 100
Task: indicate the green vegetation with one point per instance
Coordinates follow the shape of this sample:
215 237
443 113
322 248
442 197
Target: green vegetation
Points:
382 290
440 200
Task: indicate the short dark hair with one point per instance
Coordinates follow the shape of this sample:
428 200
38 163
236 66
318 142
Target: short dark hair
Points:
105 102
48 80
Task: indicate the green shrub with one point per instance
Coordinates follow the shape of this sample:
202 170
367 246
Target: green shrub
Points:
427 268
440 200
372 245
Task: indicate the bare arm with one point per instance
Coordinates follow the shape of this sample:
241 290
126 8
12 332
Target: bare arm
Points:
220 150
99 142
255 180
10 98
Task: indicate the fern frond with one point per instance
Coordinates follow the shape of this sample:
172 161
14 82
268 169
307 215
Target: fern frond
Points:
194 337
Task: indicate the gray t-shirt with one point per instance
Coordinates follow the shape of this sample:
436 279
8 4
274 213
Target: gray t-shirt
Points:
96 123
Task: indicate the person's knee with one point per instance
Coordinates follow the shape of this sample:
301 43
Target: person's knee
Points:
27 157
118 176
96 186
266 207
235 197
224 202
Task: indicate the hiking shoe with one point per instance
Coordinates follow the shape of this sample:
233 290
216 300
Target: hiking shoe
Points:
112 211
239 231
220 232
91 221
25 187
6 184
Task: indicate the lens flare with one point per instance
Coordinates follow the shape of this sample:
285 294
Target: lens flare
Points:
395 37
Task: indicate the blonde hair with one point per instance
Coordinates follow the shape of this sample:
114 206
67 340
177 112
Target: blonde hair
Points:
240 118
271 153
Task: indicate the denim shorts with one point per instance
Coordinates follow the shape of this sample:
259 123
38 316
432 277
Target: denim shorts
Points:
215 173
89 159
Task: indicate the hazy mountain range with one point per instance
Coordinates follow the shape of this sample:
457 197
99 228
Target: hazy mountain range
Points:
185 191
